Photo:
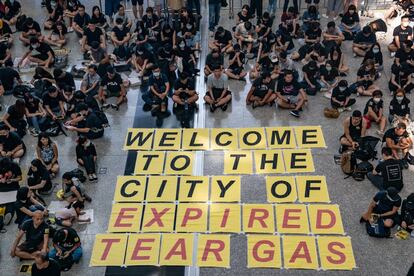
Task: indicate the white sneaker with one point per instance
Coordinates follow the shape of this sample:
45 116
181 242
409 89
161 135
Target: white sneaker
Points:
16 160
392 54
327 95
340 110
70 30
348 108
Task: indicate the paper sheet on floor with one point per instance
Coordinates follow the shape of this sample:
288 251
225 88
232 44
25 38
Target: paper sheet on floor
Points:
56 205
88 214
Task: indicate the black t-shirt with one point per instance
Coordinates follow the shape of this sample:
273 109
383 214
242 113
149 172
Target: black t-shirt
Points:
14 115
223 39
91 121
393 136
180 85
41 175
403 55
14 8
14 168
3 50
349 19
33 107
114 84
82 151
120 34
362 73
360 38
212 61
312 34
391 171
340 95
71 239
34 236
53 102
92 36
385 203
377 57
101 20
312 73
242 58
329 75
375 106
6 29
400 75
82 21
53 269
67 79
7 77
402 34
19 214
400 109
288 89
261 88
35 26
11 142
43 49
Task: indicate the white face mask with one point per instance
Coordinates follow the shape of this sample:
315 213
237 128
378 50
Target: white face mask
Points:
189 26
182 45
375 51
342 88
156 74
329 68
399 99
377 100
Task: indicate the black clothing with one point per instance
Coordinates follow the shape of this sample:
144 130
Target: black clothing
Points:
7 77
35 177
393 136
261 89
53 269
391 172
71 240
288 89
11 142
400 109
92 36
34 236
375 106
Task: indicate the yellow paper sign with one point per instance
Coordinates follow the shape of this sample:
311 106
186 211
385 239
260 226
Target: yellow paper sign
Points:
269 161
196 139
162 188
179 163
298 161
143 249
125 217
191 217
300 252
223 139
225 188
312 188
167 139
193 189
252 138
177 249
139 139
158 217
263 251
109 249
225 218
325 219
150 162
130 189
336 253
309 137
258 218
280 189
213 250
280 138
292 218
238 162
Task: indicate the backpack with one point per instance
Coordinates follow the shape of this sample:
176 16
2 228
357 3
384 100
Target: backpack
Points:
348 162
408 215
331 113
21 20
51 128
21 89
61 58
78 173
377 229
369 144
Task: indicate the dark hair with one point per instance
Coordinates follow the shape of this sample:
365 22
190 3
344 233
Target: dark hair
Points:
34 40
79 95
351 7
57 72
216 67
401 126
43 135
77 204
404 17
386 151
38 164
96 8
82 107
356 114
82 139
119 21
67 176
312 9
265 74
288 72
68 88
92 66
41 72
22 193
119 7
20 107
59 236
81 6
52 89
283 55
377 93
29 21
331 24
342 83
248 25
3 126
93 21
367 30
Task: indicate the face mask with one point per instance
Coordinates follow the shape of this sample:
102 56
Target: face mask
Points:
375 50
140 53
189 26
399 99
342 88
149 16
182 45
156 74
33 46
328 68
377 100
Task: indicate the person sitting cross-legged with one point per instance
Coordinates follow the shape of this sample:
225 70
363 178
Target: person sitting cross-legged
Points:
290 94
185 98
262 91
114 88
218 95
66 244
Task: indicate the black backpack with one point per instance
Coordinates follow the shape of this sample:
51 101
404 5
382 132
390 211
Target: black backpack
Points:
65 264
20 90
78 173
21 20
408 215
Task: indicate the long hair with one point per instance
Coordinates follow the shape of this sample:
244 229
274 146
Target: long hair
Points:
43 135
20 107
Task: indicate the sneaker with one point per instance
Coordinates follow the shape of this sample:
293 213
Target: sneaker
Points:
354 54
380 133
88 198
33 132
224 107
16 160
392 54
7 218
405 163
115 106
295 113
70 30
105 106
325 15
340 109
212 108
147 107
348 108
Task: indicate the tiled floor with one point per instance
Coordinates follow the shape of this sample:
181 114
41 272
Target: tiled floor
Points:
373 257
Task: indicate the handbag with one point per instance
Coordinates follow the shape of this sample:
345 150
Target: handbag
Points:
224 3
331 113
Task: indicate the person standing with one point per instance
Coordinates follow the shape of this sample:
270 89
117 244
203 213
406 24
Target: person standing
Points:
256 6
214 7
